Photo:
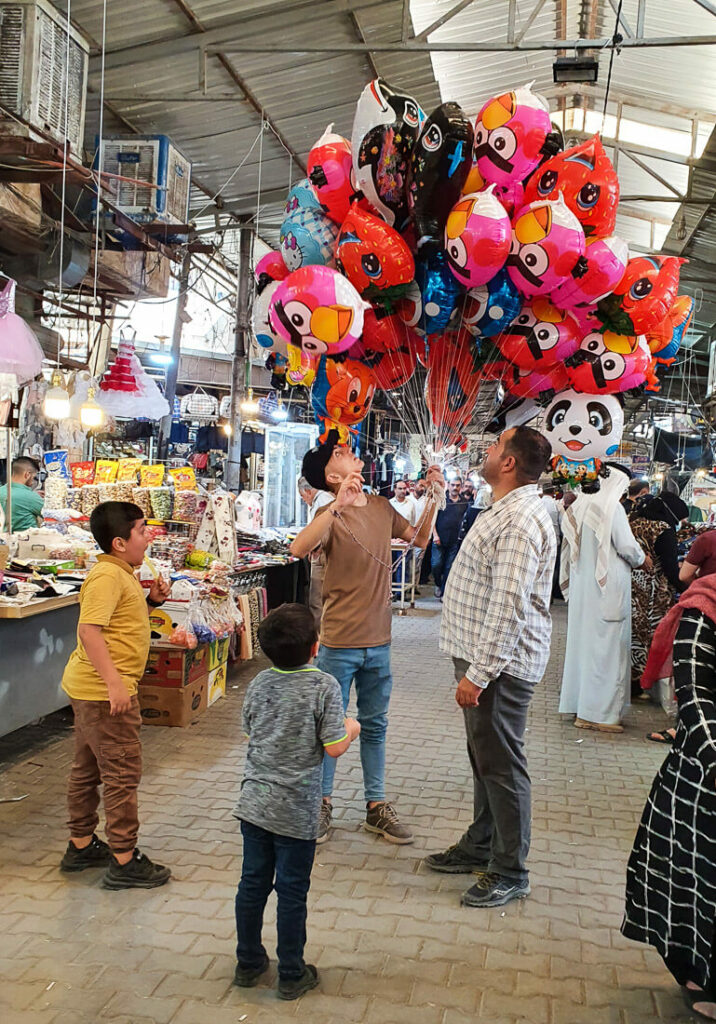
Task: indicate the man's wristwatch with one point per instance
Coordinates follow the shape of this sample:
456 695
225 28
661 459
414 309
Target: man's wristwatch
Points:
154 604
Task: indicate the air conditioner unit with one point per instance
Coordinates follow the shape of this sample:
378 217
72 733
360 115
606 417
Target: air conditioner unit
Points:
43 71
152 159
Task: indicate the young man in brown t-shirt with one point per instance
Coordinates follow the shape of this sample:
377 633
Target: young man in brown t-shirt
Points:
355 531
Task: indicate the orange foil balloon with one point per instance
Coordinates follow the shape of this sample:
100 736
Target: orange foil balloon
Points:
371 254
643 297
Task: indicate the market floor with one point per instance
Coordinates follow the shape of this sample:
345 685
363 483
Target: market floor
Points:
389 938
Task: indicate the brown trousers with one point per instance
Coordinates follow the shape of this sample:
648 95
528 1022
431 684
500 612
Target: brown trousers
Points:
107 751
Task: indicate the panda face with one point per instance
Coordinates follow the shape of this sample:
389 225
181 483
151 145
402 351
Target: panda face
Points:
581 427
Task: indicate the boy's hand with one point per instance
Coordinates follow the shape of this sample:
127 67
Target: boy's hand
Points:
159 590
352 728
119 697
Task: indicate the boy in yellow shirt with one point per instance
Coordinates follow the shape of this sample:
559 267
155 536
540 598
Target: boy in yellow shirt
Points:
101 680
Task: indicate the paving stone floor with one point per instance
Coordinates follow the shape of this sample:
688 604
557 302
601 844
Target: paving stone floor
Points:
391 942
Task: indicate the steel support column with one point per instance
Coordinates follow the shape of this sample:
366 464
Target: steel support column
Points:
165 428
241 345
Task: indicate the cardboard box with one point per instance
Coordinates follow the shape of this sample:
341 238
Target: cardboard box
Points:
217 684
177 706
219 652
175 666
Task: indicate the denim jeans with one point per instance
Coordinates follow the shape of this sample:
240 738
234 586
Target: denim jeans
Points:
280 862
441 559
370 668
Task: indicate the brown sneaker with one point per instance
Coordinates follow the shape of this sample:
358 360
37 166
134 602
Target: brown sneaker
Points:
384 820
324 821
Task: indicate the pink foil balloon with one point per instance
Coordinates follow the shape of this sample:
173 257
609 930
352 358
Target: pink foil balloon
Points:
606 260
316 309
477 238
547 242
510 132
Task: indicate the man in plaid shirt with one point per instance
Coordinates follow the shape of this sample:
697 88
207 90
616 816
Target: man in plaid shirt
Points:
497 627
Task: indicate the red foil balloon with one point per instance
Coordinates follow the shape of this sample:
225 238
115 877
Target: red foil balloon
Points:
539 336
643 297
609 363
330 166
452 384
388 347
585 177
542 384
371 254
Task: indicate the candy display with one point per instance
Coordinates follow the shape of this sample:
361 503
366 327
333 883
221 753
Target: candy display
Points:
151 476
161 501
124 490
127 470
107 492
184 478
56 492
90 499
140 496
105 471
186 506
74 498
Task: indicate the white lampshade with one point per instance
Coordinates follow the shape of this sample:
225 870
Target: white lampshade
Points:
57 400
91 414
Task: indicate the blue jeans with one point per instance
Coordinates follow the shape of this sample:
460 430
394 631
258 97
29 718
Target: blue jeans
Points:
441 558
280 862
370 668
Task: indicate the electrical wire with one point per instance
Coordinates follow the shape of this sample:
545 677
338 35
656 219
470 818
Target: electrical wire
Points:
611 64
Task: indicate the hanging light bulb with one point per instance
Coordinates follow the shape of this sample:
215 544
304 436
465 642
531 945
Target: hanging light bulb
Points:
249 405
280 412
57 400
227 428
91 414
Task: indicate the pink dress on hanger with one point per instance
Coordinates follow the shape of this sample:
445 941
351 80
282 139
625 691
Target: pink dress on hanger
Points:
20 352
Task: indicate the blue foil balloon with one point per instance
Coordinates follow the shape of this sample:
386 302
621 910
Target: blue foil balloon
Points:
489 309
308 237
439 290
302 197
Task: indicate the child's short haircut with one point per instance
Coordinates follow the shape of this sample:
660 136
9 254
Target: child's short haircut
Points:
113 519
287 635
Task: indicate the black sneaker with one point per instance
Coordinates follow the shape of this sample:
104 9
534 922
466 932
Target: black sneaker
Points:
453 862
247 977
292 988
138 873
492 890
95 855
324 821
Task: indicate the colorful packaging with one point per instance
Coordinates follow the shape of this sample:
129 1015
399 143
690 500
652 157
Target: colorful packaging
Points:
185 506
127 470
57 464
184 478
105 471
151 476
82 473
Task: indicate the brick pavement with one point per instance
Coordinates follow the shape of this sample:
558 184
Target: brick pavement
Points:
389 938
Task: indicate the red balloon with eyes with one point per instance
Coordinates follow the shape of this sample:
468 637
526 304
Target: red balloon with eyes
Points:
643 297
388 347
585 177
539 336
452 384
371 254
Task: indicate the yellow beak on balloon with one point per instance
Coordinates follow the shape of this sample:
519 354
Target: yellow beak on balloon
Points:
330 324
499 111
534 226
459 216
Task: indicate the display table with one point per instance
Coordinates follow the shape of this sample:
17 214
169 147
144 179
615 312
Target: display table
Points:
403 575
36 640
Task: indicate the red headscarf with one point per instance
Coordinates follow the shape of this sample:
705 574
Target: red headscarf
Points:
701 595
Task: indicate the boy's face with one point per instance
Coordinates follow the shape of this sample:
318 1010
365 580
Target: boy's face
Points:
132 550
340 465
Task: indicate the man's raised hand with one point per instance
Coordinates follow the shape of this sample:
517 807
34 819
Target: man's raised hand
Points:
350 490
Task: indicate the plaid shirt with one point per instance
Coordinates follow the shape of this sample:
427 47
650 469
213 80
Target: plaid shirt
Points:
496 602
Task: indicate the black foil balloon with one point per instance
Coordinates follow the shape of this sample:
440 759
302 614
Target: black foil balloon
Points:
439 166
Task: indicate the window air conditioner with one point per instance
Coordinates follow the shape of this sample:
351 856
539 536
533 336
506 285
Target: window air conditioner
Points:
152 159
43 71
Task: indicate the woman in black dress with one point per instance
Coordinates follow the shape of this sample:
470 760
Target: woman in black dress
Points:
671 876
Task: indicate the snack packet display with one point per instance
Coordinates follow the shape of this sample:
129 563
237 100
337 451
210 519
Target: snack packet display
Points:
151 476
127 470
57 464
82 473
161 499
90 499
107 492
125 490
184 478
55 492
185 506
105 471
140 496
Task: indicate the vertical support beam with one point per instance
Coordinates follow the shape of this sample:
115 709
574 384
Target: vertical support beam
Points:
8 483
511 17
165 428
241 345
640 15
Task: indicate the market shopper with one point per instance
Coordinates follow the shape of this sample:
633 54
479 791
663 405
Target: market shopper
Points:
496 625
356 531
292 714
315 499
701 558
406 506
27 504
445 535
101 680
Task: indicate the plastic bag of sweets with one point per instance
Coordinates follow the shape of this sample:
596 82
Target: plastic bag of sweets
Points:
140 496
105 471
74 498
82 473
184 478
151 476
55 492
107 492
161 500
185 506
90 499
127 470
124 490
57 464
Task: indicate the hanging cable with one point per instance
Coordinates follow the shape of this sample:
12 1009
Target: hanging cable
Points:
99 166
616 40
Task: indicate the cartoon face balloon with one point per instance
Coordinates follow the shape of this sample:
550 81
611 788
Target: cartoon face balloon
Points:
540 384
308 238
586 179
342 392
385 128
371 254
439 291
611 363
301 197
581 427
665 341
477 238
539 336
317 310
488 310
605 261
388 347
510 133
547 243
439 166
266 338
644 296
330 167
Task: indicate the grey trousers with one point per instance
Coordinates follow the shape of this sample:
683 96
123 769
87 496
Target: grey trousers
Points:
500 834
315 590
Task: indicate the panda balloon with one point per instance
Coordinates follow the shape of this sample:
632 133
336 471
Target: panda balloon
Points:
583 431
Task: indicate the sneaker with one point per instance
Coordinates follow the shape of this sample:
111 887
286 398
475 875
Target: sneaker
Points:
454 862
247 977
324 821
492 890
438 593
292 988
384 820
138 873
95 855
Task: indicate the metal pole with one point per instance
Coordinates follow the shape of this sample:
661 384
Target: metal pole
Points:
8 501
241 345
165 427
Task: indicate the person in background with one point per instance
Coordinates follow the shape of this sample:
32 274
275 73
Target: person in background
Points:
701 559
101 680
27 504
497 627
552 507
468 492
404 505
315 499
653 523
638 489
293 717
445 535
598 554
422 565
